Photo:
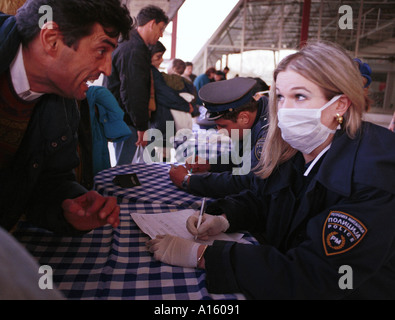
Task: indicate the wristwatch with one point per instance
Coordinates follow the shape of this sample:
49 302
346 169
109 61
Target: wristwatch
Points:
184 184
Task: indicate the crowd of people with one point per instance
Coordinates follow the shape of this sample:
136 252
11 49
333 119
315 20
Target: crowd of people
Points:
318 194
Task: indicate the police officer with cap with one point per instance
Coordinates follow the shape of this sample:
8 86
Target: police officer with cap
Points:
231 104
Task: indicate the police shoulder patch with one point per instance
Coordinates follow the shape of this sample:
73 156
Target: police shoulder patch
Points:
341 233
259 147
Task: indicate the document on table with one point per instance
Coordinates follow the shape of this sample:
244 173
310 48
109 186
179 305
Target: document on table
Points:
174 223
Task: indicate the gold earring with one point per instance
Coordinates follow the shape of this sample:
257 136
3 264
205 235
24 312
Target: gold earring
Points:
339 118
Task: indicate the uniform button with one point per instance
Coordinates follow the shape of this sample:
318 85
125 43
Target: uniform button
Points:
54 144
64 138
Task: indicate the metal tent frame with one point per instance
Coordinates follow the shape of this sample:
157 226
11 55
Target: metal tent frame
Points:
284 24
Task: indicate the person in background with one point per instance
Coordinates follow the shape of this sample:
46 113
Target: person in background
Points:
101 123
202 80
261 88
165 97
392 123
188 73
130 80
231 105
326 207
174 78
219 76
226 71
190 77
177 67
43 70
199 82
11 6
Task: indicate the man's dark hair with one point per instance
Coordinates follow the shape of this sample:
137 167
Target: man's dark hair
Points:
233 115
151 12
210 71
75 18
158 47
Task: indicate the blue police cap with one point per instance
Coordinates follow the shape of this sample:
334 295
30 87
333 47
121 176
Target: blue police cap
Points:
225 96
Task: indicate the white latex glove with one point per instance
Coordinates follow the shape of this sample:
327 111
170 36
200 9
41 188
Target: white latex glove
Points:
174 250
210 225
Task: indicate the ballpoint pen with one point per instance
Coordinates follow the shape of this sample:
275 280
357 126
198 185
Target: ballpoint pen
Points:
202 208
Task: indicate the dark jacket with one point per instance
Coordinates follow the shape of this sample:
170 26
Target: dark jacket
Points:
221 181
166 99
130 80
342 214
41 175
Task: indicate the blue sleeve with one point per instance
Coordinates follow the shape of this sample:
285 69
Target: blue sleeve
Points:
219 185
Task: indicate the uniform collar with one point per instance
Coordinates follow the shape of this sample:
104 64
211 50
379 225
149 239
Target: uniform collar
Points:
283 177
261 119
335 171
337 168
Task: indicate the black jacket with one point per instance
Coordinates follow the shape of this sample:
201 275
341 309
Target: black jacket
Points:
342 214
41 175
130 80
166 99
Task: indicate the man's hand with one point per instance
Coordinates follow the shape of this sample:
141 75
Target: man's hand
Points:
140 139
177 175
391 127
91 211
197 165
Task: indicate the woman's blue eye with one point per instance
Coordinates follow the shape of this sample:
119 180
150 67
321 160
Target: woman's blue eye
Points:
300 97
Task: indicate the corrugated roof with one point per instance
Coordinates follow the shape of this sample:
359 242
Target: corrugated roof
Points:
276 24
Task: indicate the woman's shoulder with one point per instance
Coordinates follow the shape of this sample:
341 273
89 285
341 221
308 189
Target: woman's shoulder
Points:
375 159
377 138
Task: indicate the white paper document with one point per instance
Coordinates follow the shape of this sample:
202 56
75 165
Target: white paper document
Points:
174 223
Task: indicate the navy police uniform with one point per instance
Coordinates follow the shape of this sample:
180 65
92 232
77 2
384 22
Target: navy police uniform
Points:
340 217
219 98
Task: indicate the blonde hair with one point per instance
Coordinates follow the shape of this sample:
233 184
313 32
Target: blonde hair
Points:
333 70
11 6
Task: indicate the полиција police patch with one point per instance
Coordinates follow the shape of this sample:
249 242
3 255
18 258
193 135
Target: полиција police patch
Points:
341 233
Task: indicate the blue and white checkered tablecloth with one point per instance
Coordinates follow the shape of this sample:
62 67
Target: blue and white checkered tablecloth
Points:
156 186
109 263
207 144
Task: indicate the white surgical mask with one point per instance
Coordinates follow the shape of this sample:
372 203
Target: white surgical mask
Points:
302 129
